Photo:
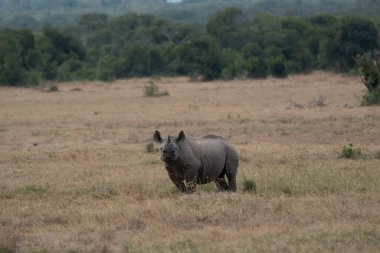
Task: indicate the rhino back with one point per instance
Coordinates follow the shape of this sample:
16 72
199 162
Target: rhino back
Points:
212 152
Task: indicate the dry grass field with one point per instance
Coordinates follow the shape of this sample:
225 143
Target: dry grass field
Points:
75 174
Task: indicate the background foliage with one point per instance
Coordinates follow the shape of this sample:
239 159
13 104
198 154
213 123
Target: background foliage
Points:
231 43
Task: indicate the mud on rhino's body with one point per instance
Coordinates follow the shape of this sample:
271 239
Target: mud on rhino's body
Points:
198 161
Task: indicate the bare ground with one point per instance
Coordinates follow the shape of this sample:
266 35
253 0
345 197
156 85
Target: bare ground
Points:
75 174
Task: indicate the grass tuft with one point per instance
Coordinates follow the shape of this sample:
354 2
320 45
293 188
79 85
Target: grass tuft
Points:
249 185
150 148
103 191
29 191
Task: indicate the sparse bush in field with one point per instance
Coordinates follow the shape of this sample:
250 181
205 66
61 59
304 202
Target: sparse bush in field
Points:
321 101
249 185
287 191
371 98
150 148
348 151
152 90
48 87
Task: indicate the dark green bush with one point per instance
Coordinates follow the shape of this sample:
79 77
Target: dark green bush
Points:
371 98
249 185
256 67
369 70
278 68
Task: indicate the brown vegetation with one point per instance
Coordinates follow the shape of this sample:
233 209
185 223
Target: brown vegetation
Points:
76 173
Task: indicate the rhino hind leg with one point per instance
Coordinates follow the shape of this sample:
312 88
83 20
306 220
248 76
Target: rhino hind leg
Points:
221 184
232 163
231 182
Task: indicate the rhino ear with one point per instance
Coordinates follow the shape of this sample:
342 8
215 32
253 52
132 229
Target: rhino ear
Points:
157 137
181 136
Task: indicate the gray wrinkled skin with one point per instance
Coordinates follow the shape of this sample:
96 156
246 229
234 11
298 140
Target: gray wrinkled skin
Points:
192 161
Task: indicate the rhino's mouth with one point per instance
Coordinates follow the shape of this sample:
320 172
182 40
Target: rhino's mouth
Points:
168 158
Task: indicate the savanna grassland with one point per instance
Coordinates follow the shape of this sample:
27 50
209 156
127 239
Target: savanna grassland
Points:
76 174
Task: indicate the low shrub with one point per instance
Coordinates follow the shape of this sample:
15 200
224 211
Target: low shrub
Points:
152 90
150 148
348 151
371 98
249 185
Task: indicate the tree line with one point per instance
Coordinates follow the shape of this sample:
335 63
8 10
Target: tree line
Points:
38 14
230 45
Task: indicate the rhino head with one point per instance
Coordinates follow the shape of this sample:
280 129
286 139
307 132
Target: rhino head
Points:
169 147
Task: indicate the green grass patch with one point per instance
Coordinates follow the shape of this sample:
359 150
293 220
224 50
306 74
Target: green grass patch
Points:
29 191
6 249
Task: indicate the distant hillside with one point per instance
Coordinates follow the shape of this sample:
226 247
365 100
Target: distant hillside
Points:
37 14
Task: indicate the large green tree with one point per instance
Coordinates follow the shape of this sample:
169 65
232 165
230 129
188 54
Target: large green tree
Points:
18 58
226 27
351 38
56 47
200 56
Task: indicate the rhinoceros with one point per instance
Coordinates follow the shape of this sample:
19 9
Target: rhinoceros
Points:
192 161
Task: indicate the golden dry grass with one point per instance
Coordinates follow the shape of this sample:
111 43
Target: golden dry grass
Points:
75 175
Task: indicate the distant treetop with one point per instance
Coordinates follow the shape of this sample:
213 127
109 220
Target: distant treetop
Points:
38 14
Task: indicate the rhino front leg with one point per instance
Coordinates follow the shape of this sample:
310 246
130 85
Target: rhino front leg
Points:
190 181
177 181
190 186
